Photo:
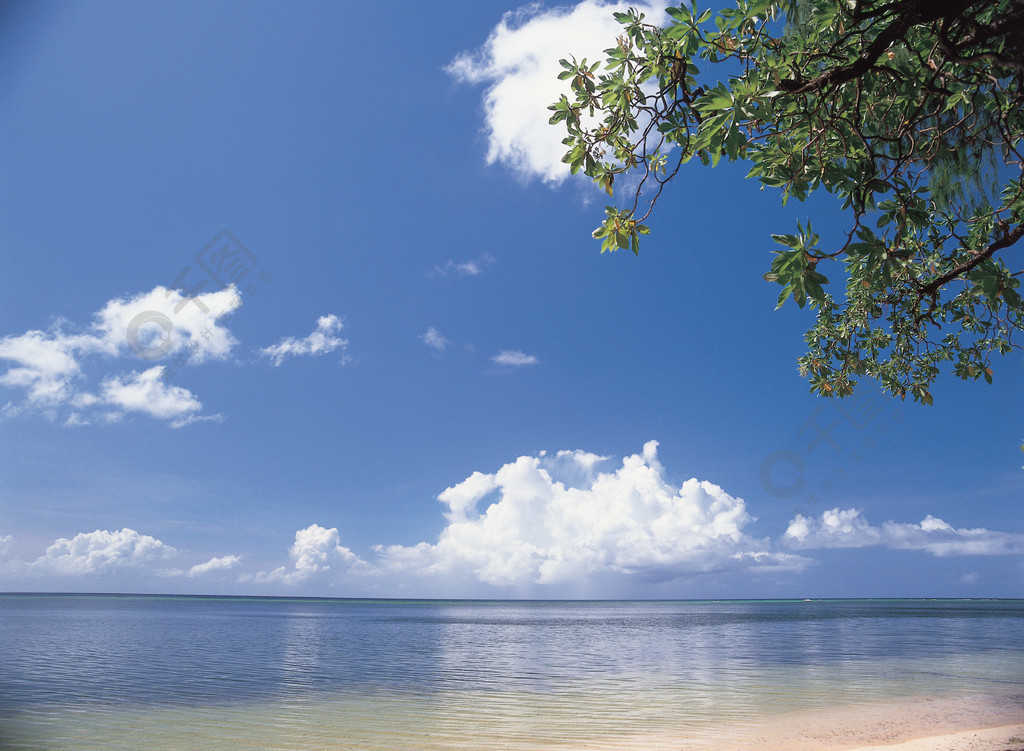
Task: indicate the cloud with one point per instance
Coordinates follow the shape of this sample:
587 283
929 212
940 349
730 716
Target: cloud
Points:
5 544
434 339
473 267
519 65
514 358
107 553
44 365
214 565
314 551
847 528
162 323
102 552
320 342
146 393
165 322
556 519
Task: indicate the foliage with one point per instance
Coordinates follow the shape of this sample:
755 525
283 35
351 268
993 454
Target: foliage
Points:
910 113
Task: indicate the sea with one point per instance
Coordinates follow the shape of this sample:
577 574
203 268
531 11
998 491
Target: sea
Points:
184 672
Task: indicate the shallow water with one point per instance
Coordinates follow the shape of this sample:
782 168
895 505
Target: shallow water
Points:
90 672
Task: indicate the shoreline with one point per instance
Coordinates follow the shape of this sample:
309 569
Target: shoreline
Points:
980 722
969 722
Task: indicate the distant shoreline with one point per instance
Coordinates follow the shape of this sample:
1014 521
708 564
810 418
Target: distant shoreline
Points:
484 600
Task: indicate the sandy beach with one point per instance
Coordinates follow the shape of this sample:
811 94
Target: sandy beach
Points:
969 723
1007 738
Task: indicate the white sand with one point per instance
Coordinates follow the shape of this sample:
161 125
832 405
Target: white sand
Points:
1008 738
970 723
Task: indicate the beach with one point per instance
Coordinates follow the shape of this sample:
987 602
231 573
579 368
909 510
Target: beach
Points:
165 673
973 723
1007 738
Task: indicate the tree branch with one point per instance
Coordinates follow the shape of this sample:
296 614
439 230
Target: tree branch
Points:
1006 241
910 14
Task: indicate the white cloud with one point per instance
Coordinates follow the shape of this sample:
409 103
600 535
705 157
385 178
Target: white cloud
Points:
472 267
45 365
554 520
314 551
847 528
519 64
215 565
101 552
165 322
146 392
551 520
320 342
153 325
434 339
837 528
5 544
514 358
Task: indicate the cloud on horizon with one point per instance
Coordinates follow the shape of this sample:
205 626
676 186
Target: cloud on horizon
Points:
315 552
555 519
570 521
847 528
102 552
214 565
107 553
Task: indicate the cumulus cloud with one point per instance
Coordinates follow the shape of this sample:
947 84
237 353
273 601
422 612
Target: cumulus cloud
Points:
107 553
519 65
434 340
163 323
320 342
315 551
847 528
514 358
43 364
147 393
553 519
215 565
5 544
102 552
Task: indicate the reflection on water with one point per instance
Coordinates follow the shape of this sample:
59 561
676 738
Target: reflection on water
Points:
161 672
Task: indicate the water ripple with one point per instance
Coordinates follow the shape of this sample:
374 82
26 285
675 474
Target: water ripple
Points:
122 672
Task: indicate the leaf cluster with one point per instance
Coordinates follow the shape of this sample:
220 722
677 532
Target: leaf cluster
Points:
910 114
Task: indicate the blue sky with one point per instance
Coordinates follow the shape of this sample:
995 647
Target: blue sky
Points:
297 299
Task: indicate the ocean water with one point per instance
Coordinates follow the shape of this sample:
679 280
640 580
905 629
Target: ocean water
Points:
160 672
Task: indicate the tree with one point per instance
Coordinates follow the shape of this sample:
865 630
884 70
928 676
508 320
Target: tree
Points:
909 112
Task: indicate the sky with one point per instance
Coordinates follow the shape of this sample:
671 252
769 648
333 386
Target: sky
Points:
298 299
